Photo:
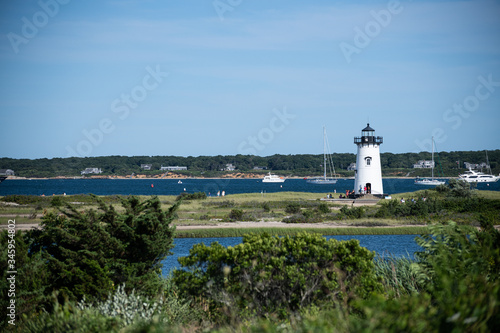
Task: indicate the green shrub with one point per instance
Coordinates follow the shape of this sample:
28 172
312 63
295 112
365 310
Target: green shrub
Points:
323 208
351 213
458 272
269 274
236 215
31 278
296 218
293 208
56 201
126 307
461 188
87 253
308 213
219 204
25 199
191 196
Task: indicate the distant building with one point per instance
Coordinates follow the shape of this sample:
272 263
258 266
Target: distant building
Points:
351 167
146 166
6 172
229 167
424 164
468 165
91 170
260 168
173 168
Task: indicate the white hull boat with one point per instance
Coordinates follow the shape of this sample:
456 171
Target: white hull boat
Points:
322 181
270 178
472 176
430 181
327 160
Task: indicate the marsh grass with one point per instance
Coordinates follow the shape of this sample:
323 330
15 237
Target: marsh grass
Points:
20 219
239 232
255 207
398 275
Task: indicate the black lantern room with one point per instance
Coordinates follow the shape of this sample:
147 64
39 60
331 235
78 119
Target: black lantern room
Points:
368 137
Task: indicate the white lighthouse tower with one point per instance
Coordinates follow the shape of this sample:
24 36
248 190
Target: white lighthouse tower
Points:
368 169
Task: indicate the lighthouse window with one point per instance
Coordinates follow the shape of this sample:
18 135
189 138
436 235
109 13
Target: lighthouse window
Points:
368 161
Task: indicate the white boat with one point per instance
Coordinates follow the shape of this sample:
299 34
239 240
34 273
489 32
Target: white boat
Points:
327 161
179 182
479 177
430 181
427 181
270 178
472 176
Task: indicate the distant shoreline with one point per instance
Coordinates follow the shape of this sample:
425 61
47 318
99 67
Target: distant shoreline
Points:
184 178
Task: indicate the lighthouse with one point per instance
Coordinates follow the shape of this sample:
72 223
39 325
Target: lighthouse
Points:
368 178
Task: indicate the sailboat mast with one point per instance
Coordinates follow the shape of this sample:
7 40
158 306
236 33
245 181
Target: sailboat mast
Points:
324 152
488 162
432 165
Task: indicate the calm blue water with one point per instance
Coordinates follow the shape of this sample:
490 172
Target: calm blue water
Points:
209 186
383 245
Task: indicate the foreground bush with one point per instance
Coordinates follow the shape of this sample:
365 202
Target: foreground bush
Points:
271 275
88 253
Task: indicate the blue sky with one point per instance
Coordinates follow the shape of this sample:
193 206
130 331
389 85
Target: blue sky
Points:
205 77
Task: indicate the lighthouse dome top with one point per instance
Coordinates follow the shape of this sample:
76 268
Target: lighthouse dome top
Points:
368 128
368 137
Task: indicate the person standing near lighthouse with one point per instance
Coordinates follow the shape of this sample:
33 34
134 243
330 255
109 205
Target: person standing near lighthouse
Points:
368 177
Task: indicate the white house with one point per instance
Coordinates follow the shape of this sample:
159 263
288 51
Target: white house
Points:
424 164
351 167
6 172
91 170
173 168
229 167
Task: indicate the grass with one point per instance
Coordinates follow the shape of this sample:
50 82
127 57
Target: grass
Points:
239 232
493 195
255 206
397 275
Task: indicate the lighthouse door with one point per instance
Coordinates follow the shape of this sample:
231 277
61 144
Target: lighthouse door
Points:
368 188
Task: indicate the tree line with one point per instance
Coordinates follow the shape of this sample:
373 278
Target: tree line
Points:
449 163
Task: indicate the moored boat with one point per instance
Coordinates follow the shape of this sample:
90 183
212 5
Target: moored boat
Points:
271 178
472 176
327 160
430 181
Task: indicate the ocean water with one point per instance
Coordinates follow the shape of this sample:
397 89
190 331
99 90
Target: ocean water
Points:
384 245
209 186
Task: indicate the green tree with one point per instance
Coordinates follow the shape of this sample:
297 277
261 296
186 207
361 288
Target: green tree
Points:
269 274
28 285
88 253
459 270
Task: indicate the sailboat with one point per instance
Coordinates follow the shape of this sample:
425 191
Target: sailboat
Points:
431 181
327 160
